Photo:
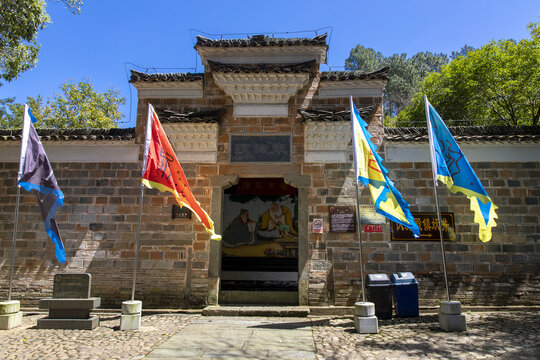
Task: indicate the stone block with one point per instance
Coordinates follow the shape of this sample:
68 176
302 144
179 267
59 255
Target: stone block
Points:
450 307
130 322
51 303
131 307
69 324
9 307
364 309
75 286
452 322
10 321
366 325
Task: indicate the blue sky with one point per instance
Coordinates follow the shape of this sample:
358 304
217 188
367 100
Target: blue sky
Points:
97 43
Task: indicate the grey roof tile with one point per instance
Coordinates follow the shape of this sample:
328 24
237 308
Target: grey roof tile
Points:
260 40
137 76
381 74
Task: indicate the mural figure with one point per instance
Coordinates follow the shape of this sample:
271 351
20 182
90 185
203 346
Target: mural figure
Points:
241 231
276 222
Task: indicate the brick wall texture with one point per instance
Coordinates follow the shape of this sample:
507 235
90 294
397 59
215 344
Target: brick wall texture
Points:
99 222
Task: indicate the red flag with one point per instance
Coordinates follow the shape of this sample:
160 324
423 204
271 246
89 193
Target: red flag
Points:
162 171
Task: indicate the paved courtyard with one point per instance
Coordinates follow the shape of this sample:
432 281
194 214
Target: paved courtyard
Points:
490 335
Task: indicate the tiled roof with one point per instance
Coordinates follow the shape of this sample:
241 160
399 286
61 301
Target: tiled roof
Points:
323 115
381 74
73 134
304 67
207 116
137 76
260 40
467 133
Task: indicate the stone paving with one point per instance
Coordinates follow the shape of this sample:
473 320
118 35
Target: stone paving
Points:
490 335
105 342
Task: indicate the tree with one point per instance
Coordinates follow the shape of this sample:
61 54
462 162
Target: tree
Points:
405 73
20 23
499 81
78 106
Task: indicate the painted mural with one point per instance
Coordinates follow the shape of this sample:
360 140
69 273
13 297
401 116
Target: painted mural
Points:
260 226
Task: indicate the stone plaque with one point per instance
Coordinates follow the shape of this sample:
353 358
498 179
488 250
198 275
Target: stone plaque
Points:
72 286
342 219
260 148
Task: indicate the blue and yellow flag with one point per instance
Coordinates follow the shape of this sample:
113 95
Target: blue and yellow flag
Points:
450 166
370 172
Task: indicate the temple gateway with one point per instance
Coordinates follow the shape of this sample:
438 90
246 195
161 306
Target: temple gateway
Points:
264 138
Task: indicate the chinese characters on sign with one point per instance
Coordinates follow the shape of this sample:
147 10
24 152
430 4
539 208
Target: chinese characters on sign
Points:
429 227
342 219
262 148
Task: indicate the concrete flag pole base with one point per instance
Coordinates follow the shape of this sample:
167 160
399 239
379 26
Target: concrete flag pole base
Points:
10 314
131 315
365 320
451 318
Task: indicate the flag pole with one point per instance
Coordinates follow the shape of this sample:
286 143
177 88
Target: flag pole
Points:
437 197
359 225
14 241
137 243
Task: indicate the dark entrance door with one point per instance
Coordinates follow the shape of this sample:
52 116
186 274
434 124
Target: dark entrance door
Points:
260 242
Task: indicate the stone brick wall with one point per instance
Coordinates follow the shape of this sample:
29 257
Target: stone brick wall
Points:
99 222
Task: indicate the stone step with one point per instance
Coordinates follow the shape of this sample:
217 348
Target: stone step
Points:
271 311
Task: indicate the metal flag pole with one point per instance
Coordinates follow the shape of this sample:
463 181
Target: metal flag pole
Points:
14 241
434 171
137 243
359 225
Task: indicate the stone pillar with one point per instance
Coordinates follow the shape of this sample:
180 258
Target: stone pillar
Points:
131 315
450 316
365 321
302 183
10 314
218 183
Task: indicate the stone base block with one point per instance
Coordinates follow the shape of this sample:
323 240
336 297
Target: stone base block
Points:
53 303
453 322
366 324
10 321
364 309
69 324
10 307
130 322
131 307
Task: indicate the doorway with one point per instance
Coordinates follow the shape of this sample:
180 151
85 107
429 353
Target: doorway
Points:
259 253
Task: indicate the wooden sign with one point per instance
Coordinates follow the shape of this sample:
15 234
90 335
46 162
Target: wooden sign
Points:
260 148
342 219
429 228
179 212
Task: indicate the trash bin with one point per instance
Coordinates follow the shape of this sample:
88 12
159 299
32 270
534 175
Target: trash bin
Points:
379 292
405 294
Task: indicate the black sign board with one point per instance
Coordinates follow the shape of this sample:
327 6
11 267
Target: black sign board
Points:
429 227
260 148
73 286
342 219
180 212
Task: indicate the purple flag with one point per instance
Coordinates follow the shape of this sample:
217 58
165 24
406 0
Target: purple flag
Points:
35 173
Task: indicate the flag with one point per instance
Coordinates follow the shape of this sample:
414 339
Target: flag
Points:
162 171
35 173
370 172
450 166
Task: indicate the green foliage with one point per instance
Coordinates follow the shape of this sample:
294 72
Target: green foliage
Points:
77 106
20 23
405 73
500 81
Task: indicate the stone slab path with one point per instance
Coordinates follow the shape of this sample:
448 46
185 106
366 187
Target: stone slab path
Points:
240 338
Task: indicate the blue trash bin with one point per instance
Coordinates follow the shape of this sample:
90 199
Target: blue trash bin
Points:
405 294
379 292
